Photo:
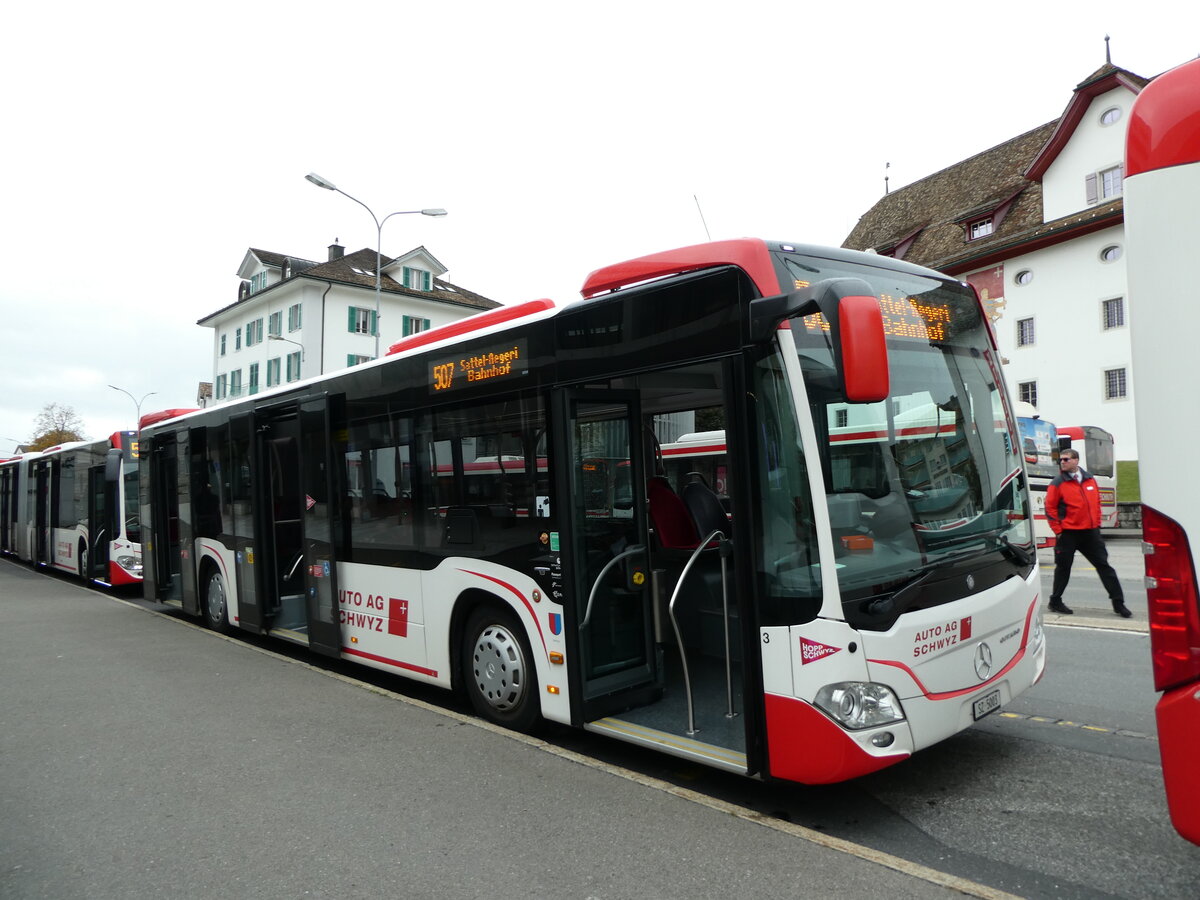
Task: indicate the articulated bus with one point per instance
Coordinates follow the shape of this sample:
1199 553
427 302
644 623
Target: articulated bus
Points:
1162 187
487 509
74 508
1097 456
1040 449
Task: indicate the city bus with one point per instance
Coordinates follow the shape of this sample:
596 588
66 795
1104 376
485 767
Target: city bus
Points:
815 623
1039 448
1162 184
74 508
1097 456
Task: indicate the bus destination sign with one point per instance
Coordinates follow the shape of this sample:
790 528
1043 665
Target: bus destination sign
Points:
903 317
498 363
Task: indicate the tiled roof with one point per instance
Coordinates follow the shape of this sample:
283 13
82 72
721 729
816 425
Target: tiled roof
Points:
926 222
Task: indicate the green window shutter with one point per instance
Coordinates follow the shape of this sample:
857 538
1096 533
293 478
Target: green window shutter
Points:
428 281
349 360
353 318
374 323
424 324
407 329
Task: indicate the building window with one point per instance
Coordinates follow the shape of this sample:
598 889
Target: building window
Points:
272 372
223 344
982 228
357 359
222 386
1027 392
254 332
841 418
1111 116
1024 332
1111 253
417 279
253 386
294 317
1112 312
235 383
1104 185
1023 277
361 321
293 366
414 325
1114 384
275 325
237 339
258 282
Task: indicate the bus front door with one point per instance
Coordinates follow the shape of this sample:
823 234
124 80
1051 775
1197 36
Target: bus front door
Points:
606 536
298 586
99 525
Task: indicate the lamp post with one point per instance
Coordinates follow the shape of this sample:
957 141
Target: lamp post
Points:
280 337
136 403
330 186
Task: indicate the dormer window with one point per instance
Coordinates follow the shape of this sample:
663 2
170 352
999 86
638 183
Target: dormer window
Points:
417 279
980 228
258 282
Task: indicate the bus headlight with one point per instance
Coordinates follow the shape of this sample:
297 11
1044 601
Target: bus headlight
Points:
859 704
130 564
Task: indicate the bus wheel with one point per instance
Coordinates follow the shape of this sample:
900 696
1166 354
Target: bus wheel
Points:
83 560
498 669
216 608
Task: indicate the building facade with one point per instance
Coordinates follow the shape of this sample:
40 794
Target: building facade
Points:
295 318
1036 224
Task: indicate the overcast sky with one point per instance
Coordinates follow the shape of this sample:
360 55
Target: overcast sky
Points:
146 146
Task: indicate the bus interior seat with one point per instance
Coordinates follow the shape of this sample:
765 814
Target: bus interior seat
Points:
673 525
705 508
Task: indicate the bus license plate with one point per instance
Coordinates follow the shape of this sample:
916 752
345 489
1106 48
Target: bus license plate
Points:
986 704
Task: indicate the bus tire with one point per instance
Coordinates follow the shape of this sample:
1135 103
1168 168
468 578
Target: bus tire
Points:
216 602
497 669
82 559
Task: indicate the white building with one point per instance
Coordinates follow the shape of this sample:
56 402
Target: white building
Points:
1036 224
295 318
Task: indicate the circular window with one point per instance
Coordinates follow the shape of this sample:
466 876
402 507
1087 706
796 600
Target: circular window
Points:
1110 116
1111 253
1024 277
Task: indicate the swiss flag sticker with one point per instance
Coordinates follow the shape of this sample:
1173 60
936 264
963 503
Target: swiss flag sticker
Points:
964 629
398 617
811 651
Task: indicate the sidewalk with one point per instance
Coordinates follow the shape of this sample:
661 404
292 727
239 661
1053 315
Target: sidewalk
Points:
147 758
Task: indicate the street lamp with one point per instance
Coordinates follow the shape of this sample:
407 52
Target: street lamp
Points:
136 403
330 186
280 337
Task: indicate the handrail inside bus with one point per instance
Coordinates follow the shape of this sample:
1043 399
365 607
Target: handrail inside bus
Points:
704 545
630 551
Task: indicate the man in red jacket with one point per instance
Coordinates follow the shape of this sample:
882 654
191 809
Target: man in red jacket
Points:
1073 511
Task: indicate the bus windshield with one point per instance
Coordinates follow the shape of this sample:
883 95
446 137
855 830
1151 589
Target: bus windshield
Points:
932 476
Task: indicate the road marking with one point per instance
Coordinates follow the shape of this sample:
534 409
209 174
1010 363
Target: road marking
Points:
1066 723
859 851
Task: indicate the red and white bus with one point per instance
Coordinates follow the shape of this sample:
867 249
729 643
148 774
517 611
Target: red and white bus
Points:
74 508
810 619
1162 190
1097 456
1039 449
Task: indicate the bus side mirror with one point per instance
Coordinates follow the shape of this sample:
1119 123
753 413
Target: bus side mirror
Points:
112 466
855 326
864 360
1064 443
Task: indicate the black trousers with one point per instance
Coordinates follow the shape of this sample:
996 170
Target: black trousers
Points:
1091 545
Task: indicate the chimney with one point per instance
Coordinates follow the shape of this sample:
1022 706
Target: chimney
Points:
336 250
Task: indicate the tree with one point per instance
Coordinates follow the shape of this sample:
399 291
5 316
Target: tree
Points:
56 424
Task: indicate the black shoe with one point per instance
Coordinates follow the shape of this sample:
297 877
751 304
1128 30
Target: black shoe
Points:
1122 610
1059 607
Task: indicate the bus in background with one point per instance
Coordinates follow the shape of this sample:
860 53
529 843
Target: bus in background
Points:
819 621
1098 458
1039 448
74 508
1162 230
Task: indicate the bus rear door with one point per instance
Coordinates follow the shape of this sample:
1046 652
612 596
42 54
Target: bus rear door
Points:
294 497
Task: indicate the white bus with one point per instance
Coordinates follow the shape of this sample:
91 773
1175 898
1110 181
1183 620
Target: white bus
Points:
74 508
1097 456
1162 215
803 620
1039 449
